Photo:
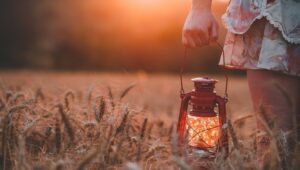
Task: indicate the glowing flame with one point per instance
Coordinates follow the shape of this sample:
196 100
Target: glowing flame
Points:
203 132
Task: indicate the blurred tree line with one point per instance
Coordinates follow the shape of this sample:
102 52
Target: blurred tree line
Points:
99 35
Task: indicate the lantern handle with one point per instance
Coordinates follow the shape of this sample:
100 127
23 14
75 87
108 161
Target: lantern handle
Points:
183 63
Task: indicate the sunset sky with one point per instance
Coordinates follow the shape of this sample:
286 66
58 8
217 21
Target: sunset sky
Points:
99 34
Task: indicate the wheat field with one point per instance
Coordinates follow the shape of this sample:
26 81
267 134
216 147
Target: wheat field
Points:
64 120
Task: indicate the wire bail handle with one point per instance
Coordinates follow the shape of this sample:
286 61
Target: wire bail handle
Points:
183 63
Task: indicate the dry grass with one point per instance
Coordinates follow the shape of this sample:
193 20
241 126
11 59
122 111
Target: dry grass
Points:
114 121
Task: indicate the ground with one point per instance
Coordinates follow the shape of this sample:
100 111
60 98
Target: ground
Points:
63 109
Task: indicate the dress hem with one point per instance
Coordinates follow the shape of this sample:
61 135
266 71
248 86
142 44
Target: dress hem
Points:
235 67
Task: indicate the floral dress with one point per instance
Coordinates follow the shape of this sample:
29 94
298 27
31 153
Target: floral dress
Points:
263 34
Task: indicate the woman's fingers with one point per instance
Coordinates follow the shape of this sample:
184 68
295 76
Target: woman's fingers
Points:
204 36
195 38
200 28
198 40
188 40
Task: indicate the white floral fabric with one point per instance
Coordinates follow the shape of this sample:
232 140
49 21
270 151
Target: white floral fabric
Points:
282 14
263 35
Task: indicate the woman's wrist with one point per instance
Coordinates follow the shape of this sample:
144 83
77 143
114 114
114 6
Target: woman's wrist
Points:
203 5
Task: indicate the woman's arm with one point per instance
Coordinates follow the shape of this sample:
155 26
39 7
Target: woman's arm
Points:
200 26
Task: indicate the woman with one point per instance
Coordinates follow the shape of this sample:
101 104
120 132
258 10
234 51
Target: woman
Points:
263 38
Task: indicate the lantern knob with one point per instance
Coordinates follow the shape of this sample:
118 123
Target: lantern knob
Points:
204 84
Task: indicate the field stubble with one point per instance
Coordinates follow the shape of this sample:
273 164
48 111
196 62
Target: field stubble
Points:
54 120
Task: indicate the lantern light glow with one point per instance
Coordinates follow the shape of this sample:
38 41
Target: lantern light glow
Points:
203 131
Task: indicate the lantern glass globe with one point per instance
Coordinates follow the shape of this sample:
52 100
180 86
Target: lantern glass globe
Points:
203 132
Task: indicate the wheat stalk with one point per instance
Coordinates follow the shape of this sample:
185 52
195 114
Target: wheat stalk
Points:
265 117
47 134
7 133
21 163
4 143
8 95
57 135
67 102
233 136
181 163
240 122
142 134
153 149
2 105
283 149
85 161
67 123
174 145
2 85
111 98
29 126
90 94
39 94
121 127
105 148
125 92
99 113
149 131
144 126
17 96
170 131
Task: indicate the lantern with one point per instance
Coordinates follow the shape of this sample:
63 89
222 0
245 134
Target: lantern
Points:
204 126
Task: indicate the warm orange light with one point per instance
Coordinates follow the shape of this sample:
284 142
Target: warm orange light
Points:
203 131
224 1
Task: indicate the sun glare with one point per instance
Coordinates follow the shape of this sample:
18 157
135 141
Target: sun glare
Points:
223 1
145 2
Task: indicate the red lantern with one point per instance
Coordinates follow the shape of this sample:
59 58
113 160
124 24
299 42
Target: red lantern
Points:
205 123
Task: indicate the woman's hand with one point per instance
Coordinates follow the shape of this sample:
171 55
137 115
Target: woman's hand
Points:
200 28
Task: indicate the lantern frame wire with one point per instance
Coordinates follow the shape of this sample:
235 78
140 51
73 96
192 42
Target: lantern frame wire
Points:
199 132
217 146
183 63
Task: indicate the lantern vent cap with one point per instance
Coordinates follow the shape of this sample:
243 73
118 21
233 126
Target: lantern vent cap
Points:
204 80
